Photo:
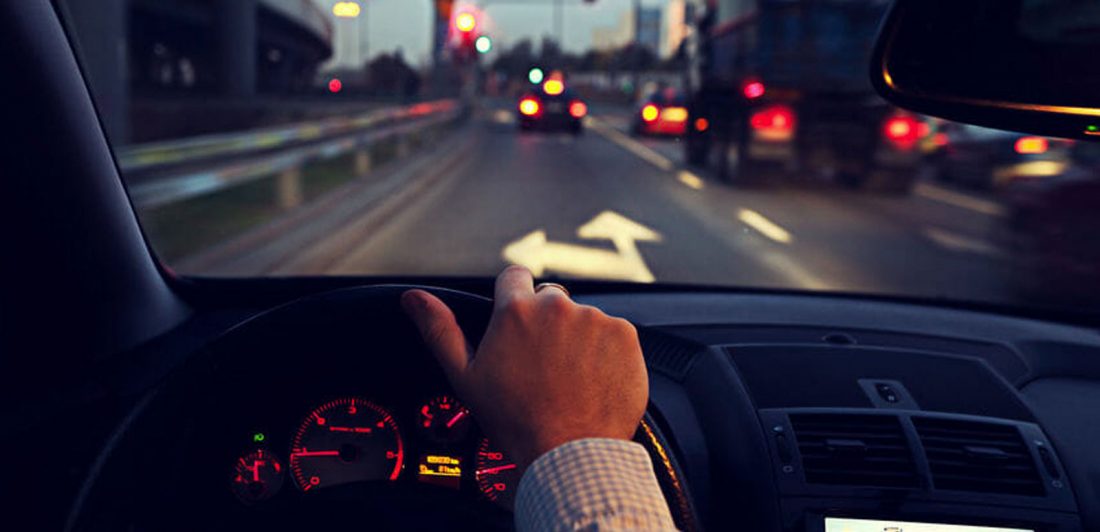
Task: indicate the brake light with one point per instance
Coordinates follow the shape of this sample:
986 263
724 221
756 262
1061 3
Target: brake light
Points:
529 106
775 123
701 124
553 87
903 131
753 90
650 113
1032 146
578 109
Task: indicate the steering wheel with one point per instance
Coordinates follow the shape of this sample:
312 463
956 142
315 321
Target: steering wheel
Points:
166 467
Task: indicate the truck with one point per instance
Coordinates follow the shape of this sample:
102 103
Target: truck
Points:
780 89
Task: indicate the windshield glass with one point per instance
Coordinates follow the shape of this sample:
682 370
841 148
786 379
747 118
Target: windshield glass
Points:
732 143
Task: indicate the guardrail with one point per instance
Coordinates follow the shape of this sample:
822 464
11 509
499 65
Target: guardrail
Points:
164 173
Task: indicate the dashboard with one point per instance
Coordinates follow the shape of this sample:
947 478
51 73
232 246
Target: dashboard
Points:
769 413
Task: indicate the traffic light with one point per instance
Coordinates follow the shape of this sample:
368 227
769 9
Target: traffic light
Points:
483 44
466 22
535 75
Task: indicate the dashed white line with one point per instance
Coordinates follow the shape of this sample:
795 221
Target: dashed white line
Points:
963 201
960 243
642 151
690 180
764 226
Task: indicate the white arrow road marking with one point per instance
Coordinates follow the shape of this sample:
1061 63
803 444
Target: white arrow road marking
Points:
538 254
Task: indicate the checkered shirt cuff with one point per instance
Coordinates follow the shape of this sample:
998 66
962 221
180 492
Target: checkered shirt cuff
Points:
592 484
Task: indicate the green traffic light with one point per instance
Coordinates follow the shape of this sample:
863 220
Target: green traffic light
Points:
535 75
483 44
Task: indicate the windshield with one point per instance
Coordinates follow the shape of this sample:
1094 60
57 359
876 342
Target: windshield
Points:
733 143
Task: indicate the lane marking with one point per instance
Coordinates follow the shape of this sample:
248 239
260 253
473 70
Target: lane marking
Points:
956 199
538 254
642 151
956 242
503 117
691 180
795 272
765 226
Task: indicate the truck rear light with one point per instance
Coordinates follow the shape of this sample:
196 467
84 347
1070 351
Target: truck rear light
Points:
775 123
650 113
529 107
903 131
753 90
701 124
1032 146
578 109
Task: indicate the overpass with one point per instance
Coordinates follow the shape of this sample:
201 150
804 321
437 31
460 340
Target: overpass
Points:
220 49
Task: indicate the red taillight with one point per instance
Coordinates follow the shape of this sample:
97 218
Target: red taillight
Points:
1032 146
775 123
650 113
904 131
529 106
578 109
753 90
701 124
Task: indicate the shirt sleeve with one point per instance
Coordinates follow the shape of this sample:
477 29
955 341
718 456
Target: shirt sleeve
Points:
592 484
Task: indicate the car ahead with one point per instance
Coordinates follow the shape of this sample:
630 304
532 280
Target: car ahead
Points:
1051 226
989 159
551 106
662 112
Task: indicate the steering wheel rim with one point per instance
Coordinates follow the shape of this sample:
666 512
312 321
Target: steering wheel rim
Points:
472 312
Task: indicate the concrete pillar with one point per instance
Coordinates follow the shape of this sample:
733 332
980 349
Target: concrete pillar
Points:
289 185
101 42
238 43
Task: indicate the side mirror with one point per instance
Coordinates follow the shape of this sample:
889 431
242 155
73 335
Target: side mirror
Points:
1025 65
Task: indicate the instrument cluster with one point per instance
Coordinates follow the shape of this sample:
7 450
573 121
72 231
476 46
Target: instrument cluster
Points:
349 440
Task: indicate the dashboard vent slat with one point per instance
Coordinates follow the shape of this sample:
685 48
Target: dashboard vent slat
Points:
854 450
978 457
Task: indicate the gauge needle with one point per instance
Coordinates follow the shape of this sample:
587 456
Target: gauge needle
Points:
461 414
497 469
315 453
363 430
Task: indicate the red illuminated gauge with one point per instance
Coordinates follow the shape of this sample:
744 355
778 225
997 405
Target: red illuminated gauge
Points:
444 420
346 440
257 476
497 476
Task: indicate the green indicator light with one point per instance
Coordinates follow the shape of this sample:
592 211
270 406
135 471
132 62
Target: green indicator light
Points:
258 437
1093 129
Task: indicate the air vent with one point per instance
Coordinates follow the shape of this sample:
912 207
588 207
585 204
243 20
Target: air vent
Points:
983 457
854 450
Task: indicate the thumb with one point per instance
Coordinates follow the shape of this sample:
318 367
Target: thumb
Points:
440 332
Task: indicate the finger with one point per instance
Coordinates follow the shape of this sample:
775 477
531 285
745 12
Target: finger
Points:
440 332
515 282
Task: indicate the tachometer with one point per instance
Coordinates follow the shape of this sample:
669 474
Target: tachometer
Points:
346 440
257 476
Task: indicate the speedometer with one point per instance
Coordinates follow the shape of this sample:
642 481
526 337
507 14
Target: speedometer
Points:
346 440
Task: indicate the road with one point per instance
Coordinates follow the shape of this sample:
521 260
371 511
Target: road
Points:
610 206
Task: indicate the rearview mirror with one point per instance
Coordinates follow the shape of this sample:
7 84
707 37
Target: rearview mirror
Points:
1024 65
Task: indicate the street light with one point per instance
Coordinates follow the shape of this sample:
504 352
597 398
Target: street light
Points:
346 9
483 44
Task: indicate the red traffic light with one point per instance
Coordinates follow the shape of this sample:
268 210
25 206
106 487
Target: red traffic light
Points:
335 85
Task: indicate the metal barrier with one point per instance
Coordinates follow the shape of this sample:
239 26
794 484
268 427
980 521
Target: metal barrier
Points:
164 173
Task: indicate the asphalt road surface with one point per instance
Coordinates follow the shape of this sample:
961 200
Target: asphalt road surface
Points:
607 205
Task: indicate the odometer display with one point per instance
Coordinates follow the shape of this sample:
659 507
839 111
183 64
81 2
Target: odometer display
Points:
346 440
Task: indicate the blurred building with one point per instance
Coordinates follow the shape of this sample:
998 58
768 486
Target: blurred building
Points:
614 37
641 26
678 16
649 28
225 49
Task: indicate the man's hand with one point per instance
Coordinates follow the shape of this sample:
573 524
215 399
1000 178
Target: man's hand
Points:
547 372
